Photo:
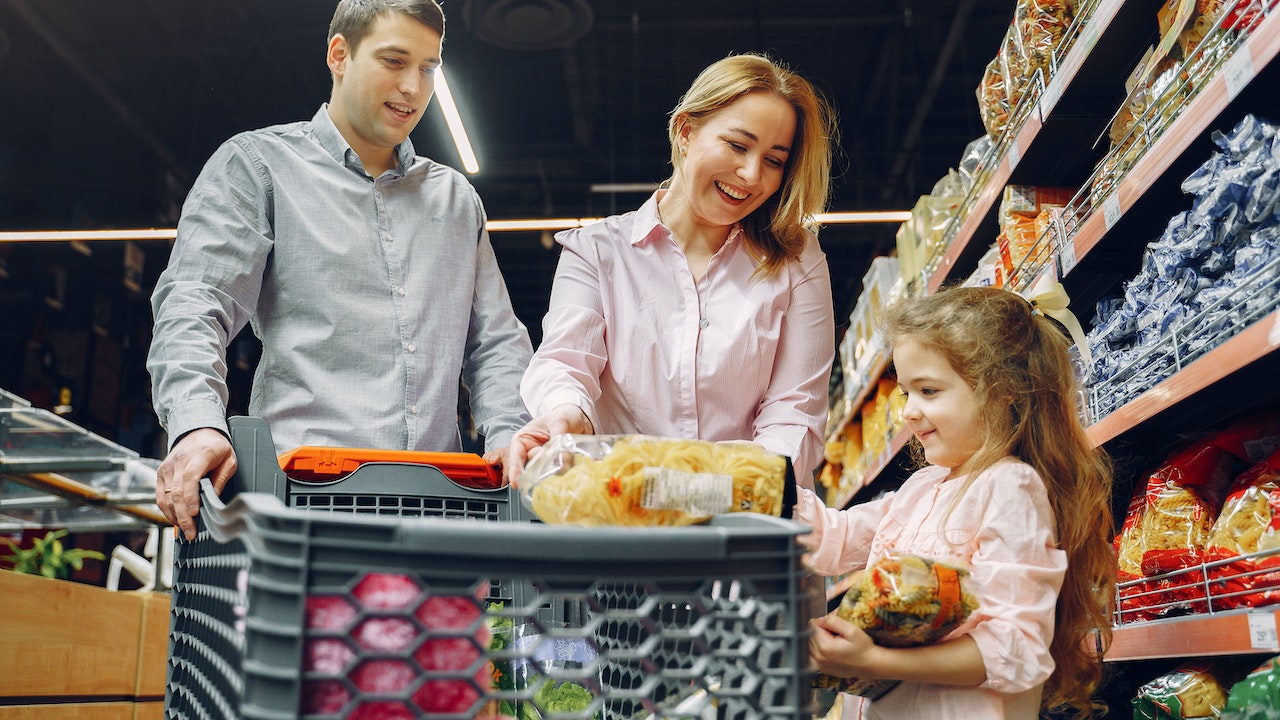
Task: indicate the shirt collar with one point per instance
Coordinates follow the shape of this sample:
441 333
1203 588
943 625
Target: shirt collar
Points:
327 134
648 222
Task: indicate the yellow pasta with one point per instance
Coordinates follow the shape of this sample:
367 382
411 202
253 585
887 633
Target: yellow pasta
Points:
639 481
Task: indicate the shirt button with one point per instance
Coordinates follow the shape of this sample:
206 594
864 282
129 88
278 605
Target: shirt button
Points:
414 409
412 348
400 292
703 323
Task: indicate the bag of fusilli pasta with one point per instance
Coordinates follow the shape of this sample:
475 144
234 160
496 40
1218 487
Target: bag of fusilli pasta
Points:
638 480
902 601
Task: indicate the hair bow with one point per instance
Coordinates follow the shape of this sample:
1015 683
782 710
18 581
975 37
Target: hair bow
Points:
1049 298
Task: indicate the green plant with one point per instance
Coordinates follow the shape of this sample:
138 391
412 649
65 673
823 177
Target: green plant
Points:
48 557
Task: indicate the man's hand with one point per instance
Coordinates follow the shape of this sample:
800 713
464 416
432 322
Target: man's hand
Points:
198 454
561 419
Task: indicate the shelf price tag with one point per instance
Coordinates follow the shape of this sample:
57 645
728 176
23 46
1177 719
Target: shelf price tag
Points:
1262 631
1049 99
1111 211
1237 72
1066 255
1014 154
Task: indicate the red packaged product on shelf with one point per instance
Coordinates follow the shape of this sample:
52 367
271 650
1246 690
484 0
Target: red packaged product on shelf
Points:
1243 556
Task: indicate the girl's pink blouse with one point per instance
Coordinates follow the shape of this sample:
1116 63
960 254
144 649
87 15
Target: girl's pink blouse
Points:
1001 527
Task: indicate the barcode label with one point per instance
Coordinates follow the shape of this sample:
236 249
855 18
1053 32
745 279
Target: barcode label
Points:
693 493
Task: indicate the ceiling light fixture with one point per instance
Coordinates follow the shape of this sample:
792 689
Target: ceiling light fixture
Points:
88 235
454 121
863 216
538 224
514 225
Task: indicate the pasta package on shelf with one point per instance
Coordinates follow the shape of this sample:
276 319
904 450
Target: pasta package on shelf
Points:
638 480
1025 214
993 99
1033 44
1189 691
1134 602
1042 26
902 601
1257 696
1168 527
1247 526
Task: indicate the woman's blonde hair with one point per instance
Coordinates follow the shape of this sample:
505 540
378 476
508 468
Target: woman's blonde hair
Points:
777 228
1026 391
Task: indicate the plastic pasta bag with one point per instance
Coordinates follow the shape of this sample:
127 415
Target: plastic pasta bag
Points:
902 601
1257 697
1191 691
637 480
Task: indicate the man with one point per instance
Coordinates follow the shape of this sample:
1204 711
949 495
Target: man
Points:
364 269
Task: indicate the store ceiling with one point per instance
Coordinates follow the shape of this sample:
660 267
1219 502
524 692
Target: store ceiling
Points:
109 109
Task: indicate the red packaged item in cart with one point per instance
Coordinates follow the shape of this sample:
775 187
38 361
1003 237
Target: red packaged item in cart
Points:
370 641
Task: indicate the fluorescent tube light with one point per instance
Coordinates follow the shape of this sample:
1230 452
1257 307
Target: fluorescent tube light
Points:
88 235
522 224
454 120
539 224
863 216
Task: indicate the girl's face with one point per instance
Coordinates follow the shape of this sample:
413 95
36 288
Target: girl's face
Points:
736 159
942 410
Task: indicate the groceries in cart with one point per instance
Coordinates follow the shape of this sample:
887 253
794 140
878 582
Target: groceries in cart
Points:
637 480
902 601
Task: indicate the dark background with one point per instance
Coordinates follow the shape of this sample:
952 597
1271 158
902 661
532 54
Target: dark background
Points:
109 109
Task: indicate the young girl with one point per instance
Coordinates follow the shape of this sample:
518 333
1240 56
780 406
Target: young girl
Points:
1012 490
706 313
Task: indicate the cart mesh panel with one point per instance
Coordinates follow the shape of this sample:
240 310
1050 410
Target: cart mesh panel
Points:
341 616
401 506
209 597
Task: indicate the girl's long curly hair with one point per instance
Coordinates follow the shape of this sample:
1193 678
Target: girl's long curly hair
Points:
1017 362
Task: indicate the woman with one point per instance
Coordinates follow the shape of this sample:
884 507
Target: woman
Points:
707 312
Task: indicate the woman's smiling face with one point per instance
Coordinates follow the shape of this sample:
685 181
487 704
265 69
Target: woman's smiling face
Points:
942 409
736 158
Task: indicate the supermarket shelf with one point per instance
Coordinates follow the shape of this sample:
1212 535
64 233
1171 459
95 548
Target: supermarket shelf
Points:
1254 343
1042 100
895 446
1233 633
1249 61
877 369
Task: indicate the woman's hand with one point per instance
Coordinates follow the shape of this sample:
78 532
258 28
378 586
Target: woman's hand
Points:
566 418
842 649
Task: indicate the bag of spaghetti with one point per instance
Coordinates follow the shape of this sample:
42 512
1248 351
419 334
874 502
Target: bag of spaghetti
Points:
902 601
639 480
1188 691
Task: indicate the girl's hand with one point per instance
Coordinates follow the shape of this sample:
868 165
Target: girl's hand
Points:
842 649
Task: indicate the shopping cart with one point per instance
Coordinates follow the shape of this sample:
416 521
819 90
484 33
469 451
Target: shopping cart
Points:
395 607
